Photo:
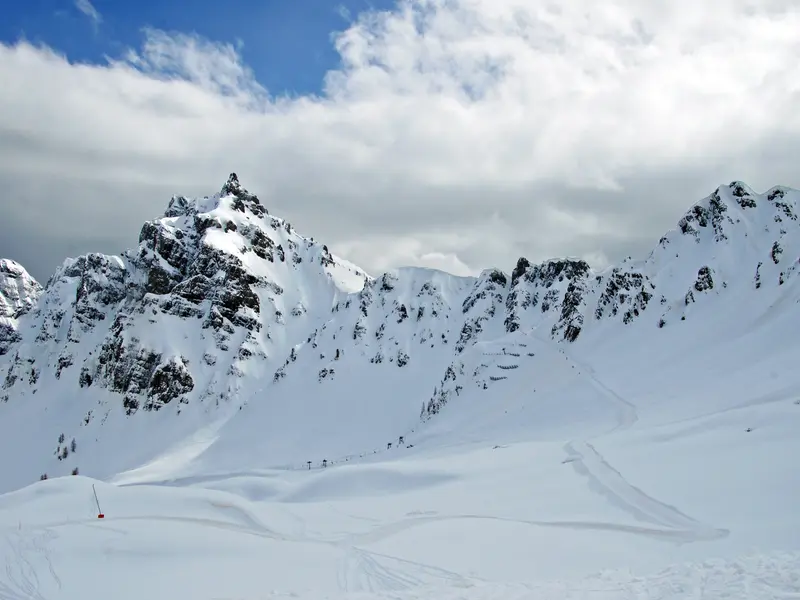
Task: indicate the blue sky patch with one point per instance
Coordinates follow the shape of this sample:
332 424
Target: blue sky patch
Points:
287 43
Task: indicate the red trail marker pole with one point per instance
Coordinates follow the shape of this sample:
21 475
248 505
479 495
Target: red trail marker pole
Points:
100 514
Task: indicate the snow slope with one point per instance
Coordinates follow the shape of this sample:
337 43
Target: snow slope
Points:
164 543
565 433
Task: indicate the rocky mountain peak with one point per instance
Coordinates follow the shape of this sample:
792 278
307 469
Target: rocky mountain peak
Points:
232 186
18 294
18 289
242 197
231 194
215 273
727 213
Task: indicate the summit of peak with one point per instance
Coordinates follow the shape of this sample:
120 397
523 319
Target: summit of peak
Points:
232 186
736 182
14 275
12 267
232 192
739 189
19 292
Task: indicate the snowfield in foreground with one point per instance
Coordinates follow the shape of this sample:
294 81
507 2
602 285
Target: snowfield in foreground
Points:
576 490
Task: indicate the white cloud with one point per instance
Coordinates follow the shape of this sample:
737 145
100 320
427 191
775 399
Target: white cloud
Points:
457 132
344 12
88 9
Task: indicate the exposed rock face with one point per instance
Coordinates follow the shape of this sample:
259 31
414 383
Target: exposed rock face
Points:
705 281
203 277
555 287
18 293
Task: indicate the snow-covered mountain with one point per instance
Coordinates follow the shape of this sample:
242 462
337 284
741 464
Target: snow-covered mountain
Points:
264 343
261 414
213 283
18 293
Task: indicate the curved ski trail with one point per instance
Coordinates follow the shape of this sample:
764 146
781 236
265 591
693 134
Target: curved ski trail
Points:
23 555
609 482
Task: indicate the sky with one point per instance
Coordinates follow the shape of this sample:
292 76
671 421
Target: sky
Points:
454 134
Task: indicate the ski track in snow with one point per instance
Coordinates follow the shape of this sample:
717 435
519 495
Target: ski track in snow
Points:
366 571
606 480
23 556
255 529
609 482
388 530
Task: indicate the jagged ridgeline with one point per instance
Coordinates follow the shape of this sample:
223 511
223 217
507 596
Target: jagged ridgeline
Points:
203 294
221 302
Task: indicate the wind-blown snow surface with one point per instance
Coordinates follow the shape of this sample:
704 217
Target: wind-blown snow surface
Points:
566 434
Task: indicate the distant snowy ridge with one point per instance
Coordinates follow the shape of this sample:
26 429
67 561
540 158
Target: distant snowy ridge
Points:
732 242
222 305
